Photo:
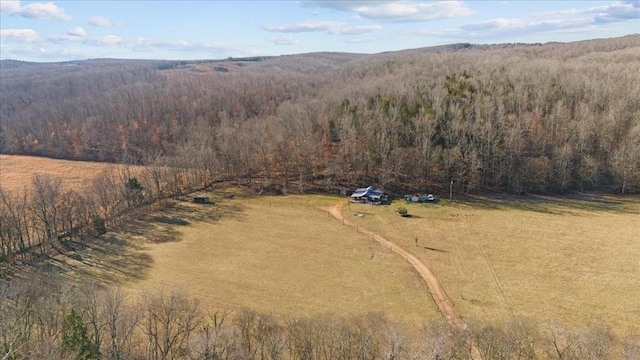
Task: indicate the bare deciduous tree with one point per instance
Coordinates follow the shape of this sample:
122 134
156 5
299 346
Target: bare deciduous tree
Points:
168 321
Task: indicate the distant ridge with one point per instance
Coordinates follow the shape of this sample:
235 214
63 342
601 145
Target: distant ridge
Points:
337 57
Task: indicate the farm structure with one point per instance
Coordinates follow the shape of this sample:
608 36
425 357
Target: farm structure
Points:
369 195
201 199
421 198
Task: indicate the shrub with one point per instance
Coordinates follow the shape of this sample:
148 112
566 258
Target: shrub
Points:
99 226
402 211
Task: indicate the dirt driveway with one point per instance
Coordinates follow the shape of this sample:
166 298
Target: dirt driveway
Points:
440 298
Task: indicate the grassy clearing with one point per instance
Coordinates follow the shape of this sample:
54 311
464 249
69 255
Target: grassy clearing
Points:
281 255
17 171
567 260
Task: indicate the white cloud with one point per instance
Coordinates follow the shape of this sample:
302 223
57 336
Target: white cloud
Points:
21 35
12 51
331 27
619 11
34 10
100 21
77 32
616 11
306 26
144 44
9 6
139 44
346 5
87 40
105 40
399 11
64 38
501 24
514 27
574 20
287 40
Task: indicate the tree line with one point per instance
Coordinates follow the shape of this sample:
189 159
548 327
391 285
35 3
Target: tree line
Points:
37 221
48 318
521 118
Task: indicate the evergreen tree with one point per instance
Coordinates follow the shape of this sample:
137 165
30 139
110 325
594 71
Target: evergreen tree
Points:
75 339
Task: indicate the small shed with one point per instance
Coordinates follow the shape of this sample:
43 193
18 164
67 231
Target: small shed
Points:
201 199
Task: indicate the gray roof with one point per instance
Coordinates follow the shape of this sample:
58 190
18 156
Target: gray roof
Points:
368 191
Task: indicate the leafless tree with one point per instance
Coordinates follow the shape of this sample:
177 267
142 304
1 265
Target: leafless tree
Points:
168 321
45 198
218 339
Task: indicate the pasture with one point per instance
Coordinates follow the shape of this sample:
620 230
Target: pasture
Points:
555 261
280 255
17 171
571 260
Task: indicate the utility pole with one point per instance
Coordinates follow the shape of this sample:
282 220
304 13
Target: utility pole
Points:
451 191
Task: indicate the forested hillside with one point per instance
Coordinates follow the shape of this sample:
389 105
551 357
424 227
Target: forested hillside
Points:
521 118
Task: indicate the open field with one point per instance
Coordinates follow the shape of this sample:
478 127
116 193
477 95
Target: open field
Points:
281 255
567 261
554 260
16 171
570 260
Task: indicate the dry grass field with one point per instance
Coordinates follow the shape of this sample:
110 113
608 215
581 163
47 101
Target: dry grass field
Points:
553 260
280 255
569 260
16 171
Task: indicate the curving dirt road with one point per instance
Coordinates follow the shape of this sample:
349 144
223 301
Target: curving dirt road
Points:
437 293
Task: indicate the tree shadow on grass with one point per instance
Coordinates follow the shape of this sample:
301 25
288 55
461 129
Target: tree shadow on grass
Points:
107 260
190 212
121 255
165 225
170 220
152 229
556 205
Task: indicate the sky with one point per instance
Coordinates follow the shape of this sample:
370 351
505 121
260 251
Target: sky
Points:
48 31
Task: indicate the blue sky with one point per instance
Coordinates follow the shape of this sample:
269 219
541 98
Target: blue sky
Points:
187 30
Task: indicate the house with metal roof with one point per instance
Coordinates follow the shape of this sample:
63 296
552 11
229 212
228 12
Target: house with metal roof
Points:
368 195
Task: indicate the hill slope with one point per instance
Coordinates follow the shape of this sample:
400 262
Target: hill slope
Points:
516 117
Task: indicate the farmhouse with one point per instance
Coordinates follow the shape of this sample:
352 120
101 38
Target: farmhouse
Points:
369 195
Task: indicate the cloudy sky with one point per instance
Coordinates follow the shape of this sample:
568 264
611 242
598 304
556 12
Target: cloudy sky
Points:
186 30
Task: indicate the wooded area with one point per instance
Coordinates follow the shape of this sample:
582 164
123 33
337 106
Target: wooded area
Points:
35 221
519 118
48 319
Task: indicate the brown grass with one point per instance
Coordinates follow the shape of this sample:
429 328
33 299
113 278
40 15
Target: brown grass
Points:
16 171
280 255
567 260
571 260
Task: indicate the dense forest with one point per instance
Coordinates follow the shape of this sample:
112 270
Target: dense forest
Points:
532 118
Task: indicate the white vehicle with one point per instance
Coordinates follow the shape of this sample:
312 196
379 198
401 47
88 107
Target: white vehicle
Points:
430 197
